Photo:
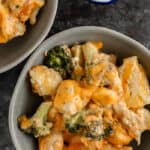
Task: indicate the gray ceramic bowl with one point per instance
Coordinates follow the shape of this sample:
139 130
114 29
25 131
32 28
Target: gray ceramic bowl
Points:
24 101
19 48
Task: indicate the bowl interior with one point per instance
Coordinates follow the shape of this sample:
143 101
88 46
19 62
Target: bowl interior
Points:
16 50
24 101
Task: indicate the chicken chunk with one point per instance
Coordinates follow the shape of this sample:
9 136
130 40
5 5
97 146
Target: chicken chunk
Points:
77 55
75 146
14 14
105 74
135 121
101 145
102 57
135 83
44 81
119 135
53 141
90 50
78 62
92 144
108 146
104 96
71 97
10 26
25 9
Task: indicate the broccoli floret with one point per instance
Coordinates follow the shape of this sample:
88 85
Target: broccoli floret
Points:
58 59
76 124
107 131
73 123
93 133
37 124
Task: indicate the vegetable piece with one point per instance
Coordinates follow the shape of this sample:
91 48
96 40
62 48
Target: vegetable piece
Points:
91 129
135 83
58 59
44 81
73 124
83 55
53 141
37 124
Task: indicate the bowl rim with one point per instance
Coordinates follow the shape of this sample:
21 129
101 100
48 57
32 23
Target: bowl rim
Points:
56 36
38 42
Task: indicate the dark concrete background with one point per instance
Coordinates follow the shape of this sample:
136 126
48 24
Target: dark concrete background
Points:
131 17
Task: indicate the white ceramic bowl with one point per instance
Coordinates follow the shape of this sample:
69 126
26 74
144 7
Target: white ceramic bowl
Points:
19 48
24 101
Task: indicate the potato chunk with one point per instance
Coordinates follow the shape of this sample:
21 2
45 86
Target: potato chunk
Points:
44 81
135 83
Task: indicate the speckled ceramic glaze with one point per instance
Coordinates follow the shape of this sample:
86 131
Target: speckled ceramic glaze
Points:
19 48
24 101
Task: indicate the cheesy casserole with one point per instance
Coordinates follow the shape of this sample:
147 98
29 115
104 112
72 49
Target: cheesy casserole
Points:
13 17
89 102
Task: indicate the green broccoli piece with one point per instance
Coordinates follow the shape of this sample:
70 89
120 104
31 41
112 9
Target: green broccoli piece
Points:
58 59
76 124
107 131
37 124
92 131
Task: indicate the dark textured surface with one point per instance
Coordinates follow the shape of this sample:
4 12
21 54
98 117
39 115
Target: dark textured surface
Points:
131 17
